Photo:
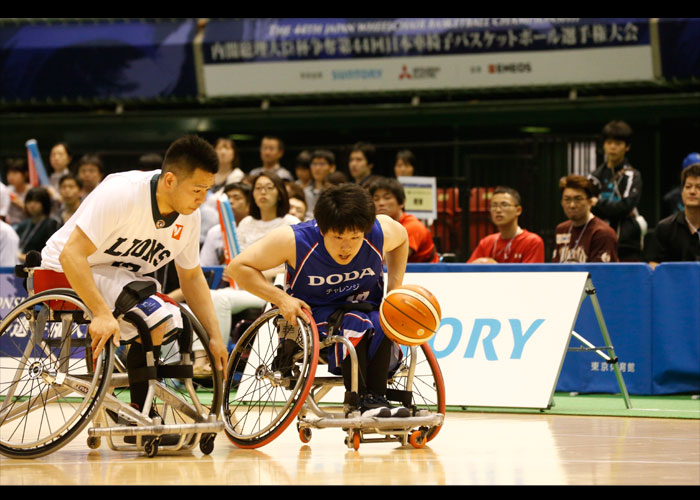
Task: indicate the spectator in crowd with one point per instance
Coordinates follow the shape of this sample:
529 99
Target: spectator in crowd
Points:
271 152
361 163
584 237
672 200
9 241
389 199
212 251
269 210
322 164
69 188
620 187
336 178
150 161
60 159
297 201
511 244
229 172
4 201
91 171
18 187
35 230
302 169
677 237
9 245
405 164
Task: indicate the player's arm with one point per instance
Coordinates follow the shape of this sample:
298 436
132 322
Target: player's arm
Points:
395 250
75 266
275 249
198 297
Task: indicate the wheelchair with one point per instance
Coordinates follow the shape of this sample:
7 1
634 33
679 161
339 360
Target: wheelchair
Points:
271 381
51 388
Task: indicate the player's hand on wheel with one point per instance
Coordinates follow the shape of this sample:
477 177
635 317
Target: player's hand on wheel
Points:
101 330
292 308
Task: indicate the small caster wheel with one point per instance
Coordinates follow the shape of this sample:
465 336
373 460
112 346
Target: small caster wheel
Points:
206 445
305 435
417 439
353 441
151 447
93 442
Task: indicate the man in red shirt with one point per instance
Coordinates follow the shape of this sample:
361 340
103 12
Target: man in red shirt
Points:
511 244
389 199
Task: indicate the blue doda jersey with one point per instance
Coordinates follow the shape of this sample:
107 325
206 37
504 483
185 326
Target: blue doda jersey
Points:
319 280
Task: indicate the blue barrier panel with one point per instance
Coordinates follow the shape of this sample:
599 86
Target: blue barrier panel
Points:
624 293
676 327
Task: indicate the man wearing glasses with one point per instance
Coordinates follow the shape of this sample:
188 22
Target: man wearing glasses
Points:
584 237
511 244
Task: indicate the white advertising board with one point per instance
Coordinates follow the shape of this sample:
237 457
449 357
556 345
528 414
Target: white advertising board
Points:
430 72
503 336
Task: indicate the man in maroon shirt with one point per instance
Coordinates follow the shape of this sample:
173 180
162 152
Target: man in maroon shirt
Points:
584 237
511 244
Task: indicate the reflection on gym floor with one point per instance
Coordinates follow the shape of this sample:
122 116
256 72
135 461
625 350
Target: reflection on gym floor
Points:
471 449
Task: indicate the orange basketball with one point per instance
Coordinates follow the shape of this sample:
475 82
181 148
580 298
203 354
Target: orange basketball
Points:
410 315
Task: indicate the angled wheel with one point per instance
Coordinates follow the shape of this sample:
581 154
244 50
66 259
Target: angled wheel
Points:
49 385
426 385
270 373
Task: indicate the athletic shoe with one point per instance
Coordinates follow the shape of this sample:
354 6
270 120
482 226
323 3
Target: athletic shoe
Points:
373 406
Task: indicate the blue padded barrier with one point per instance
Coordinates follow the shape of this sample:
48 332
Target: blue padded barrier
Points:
676 327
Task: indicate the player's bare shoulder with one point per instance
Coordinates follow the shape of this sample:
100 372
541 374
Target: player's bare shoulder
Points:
395 234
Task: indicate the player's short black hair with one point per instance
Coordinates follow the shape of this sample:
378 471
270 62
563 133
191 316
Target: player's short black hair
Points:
691 171
40 194
189 153
282 196
323 154
508 190
391 185
367 149
617 130
346 207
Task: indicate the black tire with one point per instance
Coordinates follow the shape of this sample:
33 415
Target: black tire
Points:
262 395
48 392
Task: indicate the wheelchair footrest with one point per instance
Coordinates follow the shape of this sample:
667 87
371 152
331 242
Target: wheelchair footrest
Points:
212 426
359 422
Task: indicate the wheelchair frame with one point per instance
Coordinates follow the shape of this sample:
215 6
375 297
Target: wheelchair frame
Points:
55 369
252 423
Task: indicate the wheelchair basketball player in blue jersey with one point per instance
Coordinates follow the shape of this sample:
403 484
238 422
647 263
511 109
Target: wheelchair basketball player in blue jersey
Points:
334 269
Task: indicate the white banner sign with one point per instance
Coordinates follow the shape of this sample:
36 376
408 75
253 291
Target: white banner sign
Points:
430 72
503 336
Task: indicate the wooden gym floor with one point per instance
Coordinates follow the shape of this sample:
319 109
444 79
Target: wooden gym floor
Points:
471 449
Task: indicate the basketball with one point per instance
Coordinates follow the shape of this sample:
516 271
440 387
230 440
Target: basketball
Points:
410 315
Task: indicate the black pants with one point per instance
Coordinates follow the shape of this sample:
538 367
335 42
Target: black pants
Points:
372 374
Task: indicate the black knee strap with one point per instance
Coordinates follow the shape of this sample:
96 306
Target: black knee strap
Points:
133 294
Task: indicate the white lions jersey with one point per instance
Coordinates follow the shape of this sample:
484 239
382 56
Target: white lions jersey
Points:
121 218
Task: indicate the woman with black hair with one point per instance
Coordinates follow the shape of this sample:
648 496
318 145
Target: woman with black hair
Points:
37 228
